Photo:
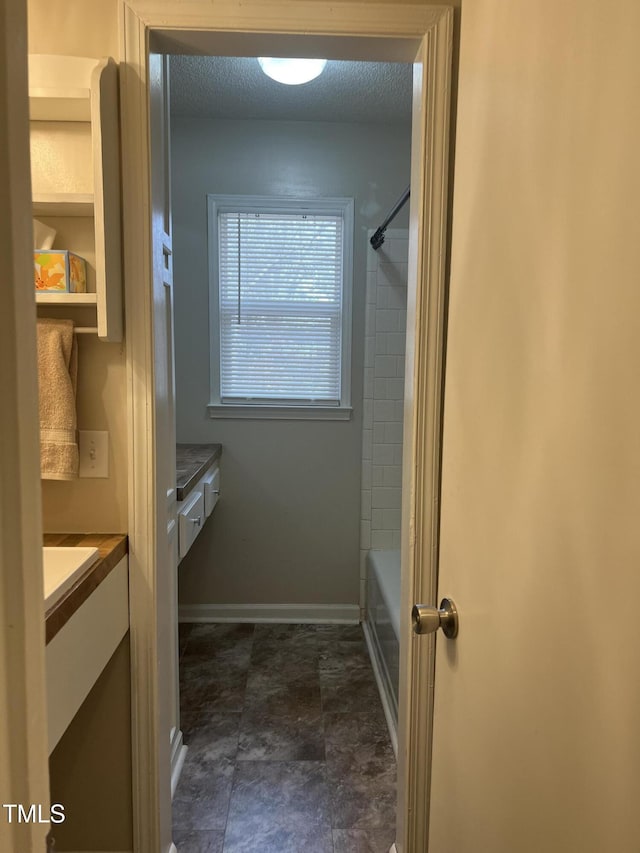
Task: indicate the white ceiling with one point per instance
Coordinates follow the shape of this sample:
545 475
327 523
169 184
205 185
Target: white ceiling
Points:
236 88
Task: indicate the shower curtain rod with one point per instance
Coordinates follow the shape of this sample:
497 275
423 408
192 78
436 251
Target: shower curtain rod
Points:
378 238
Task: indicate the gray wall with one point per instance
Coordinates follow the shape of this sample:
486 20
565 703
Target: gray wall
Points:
286 529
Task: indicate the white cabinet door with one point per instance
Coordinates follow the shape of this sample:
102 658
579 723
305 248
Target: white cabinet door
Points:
190 520
211 483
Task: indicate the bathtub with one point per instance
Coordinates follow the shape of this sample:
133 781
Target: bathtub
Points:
382 629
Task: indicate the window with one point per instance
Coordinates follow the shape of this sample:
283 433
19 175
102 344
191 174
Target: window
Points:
280 295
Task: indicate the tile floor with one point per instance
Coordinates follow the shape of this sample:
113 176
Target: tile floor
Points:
288 746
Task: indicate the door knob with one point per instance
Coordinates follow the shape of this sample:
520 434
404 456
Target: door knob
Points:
427 620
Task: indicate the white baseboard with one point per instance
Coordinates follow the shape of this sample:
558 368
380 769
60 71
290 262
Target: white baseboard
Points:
382 690
331 614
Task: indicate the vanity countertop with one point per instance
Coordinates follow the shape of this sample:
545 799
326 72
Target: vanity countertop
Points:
192 460
112 547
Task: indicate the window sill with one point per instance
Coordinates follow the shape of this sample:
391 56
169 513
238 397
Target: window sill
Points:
285 413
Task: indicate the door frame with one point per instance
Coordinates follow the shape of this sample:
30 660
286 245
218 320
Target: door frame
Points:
24 770
394 31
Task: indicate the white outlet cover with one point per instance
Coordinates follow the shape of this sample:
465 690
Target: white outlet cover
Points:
94 453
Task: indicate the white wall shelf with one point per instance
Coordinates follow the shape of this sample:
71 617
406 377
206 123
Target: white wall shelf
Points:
65 91
63 204
75 300
50 104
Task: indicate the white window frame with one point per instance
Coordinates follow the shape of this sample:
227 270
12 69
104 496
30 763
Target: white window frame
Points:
278 204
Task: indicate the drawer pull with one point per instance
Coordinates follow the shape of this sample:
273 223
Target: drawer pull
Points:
197 520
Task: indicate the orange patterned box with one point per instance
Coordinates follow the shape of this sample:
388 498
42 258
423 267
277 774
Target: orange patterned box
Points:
60 271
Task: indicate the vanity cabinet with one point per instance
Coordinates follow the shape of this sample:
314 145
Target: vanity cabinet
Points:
197 489
75 177
196 508
79 652
196 479
88 674
190 521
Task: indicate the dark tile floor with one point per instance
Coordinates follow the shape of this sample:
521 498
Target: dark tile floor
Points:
288 746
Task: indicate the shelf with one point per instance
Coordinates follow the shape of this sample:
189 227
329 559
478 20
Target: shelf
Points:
60 87
71 97
60 104
63 204
75 300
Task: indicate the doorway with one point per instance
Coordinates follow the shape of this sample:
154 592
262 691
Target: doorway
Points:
331 157
425 34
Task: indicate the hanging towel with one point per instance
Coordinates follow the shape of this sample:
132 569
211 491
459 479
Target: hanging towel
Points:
57 373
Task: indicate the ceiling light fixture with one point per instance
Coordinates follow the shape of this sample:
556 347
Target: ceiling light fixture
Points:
292 71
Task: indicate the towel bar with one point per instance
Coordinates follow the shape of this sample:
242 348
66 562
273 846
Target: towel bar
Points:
85 330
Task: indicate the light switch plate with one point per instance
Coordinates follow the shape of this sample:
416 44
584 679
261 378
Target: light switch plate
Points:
94 453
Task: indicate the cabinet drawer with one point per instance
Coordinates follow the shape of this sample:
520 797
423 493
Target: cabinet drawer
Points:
211 483
190 520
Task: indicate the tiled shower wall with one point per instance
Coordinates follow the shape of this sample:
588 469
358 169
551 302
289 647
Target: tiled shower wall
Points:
385 334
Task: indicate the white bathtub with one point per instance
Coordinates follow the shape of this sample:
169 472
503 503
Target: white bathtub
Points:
382 629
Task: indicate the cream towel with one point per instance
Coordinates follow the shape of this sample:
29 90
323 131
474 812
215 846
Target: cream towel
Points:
57 374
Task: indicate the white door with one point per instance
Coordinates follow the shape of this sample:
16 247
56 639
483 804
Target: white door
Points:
165 432
159 93
537 702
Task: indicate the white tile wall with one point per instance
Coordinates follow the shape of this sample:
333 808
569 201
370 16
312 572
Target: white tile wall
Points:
385 332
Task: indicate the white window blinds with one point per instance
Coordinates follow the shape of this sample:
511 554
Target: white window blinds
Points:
280 290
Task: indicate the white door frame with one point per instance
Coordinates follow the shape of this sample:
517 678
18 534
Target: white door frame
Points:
24 769
400 31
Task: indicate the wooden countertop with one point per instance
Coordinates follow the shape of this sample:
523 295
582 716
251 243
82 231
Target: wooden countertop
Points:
192 460
112 547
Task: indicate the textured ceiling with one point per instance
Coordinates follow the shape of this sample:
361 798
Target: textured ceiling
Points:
236 88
